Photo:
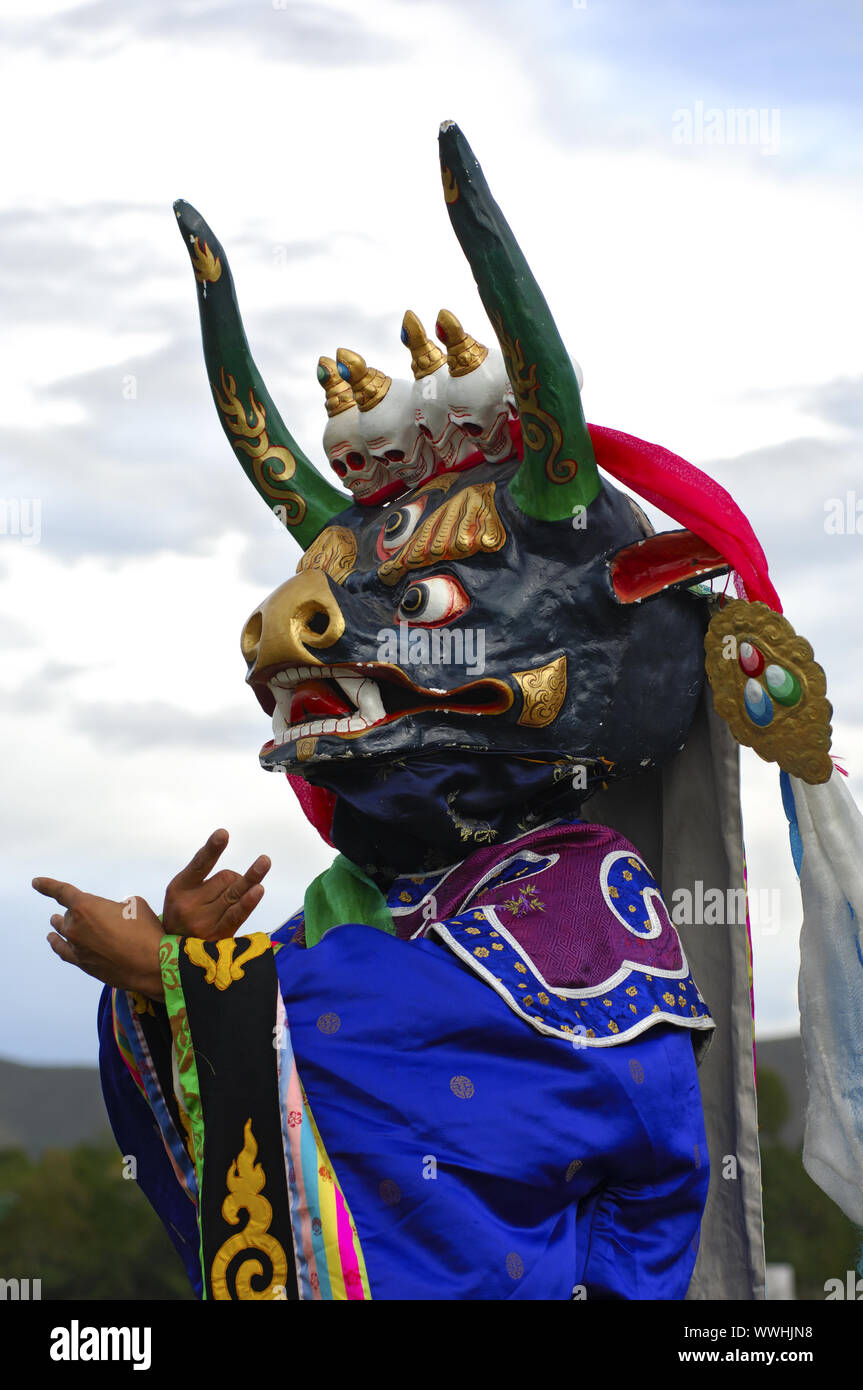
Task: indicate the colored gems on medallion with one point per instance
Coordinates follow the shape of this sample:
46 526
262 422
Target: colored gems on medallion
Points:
758 704
750 658
769 689
783 686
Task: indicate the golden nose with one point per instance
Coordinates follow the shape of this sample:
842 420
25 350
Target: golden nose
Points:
299 615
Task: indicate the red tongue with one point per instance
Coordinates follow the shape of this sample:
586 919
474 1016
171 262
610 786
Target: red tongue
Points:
317 700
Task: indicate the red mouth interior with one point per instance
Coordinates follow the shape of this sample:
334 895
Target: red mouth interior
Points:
318 700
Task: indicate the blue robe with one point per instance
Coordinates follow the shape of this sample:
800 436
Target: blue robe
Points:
478 1154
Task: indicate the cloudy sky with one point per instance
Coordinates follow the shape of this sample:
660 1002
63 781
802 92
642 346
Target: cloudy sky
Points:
702 266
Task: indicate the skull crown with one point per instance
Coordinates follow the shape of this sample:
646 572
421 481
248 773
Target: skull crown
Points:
386 436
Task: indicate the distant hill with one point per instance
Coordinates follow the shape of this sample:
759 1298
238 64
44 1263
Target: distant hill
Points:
59 1107
785 1057
50 1107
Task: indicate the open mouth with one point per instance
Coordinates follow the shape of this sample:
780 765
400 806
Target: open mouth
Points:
347 701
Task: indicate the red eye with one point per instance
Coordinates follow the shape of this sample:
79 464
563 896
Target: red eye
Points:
339 467
470 427
356 461
395 456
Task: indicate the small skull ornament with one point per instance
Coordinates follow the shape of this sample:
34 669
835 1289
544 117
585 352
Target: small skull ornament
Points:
387 422
480 402
343 443
431 409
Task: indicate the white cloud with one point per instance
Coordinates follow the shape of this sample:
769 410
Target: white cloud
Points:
711 299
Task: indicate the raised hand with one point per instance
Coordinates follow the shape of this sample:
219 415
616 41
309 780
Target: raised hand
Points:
117 943
212 908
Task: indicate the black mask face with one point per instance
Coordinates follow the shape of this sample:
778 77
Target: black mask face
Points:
495 668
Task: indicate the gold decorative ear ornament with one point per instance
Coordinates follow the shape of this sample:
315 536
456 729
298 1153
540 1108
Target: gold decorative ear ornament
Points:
769 689
339 394
426 356
369 386
464 353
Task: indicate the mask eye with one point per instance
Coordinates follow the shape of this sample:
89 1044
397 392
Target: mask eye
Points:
398 527
431 602
355 460
470 427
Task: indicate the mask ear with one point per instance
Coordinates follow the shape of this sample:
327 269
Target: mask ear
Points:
662 562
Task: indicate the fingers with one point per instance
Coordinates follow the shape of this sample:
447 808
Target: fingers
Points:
236 915
64 949
63 893
200 864
259 869
228 887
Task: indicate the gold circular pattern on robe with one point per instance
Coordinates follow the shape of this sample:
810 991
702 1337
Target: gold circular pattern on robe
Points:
329 1023
462 1086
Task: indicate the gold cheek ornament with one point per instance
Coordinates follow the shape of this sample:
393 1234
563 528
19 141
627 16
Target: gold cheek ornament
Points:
769 689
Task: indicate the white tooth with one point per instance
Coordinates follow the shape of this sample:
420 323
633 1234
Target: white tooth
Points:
343 726
280 723
350 685
369 701
283 705
304 730
357 722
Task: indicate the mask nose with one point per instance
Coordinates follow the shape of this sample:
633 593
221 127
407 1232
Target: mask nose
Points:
298 618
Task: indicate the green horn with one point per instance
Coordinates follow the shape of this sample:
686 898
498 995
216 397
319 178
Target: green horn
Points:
272 461
558 473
